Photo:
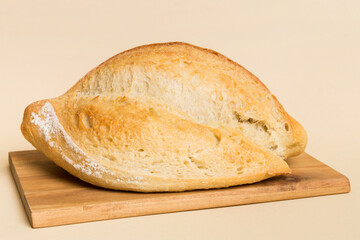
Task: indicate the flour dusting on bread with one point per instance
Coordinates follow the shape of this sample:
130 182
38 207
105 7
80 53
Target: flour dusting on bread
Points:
49 124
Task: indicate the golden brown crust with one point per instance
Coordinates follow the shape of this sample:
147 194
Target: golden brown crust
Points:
154 45
166 117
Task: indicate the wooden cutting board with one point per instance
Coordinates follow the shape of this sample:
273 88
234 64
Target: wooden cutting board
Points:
51 196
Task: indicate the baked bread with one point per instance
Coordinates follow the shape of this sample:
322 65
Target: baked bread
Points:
166 117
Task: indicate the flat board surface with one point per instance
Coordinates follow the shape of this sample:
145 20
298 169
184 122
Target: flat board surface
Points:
51 196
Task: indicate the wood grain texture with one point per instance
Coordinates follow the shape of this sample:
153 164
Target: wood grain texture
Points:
51 196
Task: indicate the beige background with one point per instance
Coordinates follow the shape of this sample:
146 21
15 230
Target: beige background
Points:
306 52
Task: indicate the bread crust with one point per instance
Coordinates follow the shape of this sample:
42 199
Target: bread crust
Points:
166 117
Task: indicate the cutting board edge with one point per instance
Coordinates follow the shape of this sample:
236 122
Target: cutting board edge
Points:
20 190
38 215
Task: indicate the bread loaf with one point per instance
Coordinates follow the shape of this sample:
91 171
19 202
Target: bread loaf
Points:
166 117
